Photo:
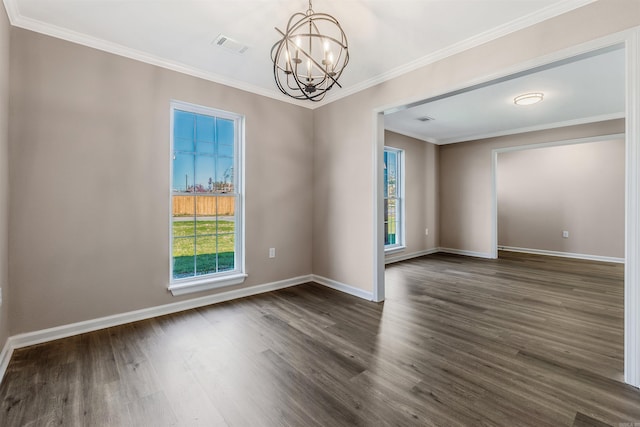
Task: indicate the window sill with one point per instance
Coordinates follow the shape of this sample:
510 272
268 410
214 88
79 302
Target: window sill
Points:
394 249
205 284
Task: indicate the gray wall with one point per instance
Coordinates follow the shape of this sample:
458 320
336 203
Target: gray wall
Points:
465 182
578 188
421 192
89 212
4 174
89 147
345 140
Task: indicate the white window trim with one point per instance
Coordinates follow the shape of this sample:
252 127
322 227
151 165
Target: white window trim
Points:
400 244
227 278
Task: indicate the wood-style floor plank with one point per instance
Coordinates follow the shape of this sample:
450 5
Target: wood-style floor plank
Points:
523 340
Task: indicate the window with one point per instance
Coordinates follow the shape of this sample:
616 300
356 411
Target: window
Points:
393 199
206 198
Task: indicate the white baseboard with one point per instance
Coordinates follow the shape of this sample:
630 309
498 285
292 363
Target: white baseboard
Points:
465 253
63 331
562 254
403 257
342 287
5 356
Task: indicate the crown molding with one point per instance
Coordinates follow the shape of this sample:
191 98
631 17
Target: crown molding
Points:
516 131
556 125
17 20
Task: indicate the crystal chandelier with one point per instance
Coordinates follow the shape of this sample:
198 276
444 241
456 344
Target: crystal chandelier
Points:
311 55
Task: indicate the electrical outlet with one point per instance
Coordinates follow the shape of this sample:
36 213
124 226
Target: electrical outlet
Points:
272 252
565 234
426 231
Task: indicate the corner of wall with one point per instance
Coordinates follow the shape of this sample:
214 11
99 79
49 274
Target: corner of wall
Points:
5 352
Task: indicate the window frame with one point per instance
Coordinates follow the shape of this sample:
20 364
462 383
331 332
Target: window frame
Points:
399 245
215 280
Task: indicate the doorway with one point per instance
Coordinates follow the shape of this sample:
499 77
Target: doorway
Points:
627 44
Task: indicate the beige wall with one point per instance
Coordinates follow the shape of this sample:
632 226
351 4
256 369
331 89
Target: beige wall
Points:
465 182
578 188
4 174
344 137
421 187
89 213
89 135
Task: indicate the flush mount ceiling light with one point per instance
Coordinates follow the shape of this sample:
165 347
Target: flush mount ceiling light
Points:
528 98
311 55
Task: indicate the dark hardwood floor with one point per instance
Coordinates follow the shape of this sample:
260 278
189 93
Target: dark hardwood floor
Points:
520 341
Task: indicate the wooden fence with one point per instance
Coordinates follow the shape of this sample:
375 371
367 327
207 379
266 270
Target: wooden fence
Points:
204 205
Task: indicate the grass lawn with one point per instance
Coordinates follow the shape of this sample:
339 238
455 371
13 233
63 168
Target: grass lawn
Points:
212 247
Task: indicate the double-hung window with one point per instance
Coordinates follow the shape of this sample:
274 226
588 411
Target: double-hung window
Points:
393 199
206 198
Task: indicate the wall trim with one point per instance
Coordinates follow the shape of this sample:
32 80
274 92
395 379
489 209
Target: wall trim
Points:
18 20
342 287
466 253
5 357
632 215
562 254
403 257
64 331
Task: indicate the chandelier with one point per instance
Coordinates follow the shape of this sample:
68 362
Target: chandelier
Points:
311 55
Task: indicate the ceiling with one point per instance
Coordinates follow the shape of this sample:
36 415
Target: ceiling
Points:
386 37
582 90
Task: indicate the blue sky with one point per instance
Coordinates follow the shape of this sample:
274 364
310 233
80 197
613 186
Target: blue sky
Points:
211 140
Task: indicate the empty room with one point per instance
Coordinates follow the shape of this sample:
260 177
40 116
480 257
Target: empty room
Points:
328 213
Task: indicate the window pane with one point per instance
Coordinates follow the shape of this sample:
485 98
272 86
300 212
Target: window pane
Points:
225 150
183 131
183 206
226 249
392 175
183 172
386 174
183 253
206 250
224 175
225 130
391 218
206 208
205 127
184 226
205 148
205 174
226 226
226 207
206 226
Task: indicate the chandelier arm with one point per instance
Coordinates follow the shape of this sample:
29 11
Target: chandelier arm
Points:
320 66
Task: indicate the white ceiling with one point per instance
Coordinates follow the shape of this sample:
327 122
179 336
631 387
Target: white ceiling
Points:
586 90
386 37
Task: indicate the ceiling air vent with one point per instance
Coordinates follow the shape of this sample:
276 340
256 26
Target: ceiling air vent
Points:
425 119
227 43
